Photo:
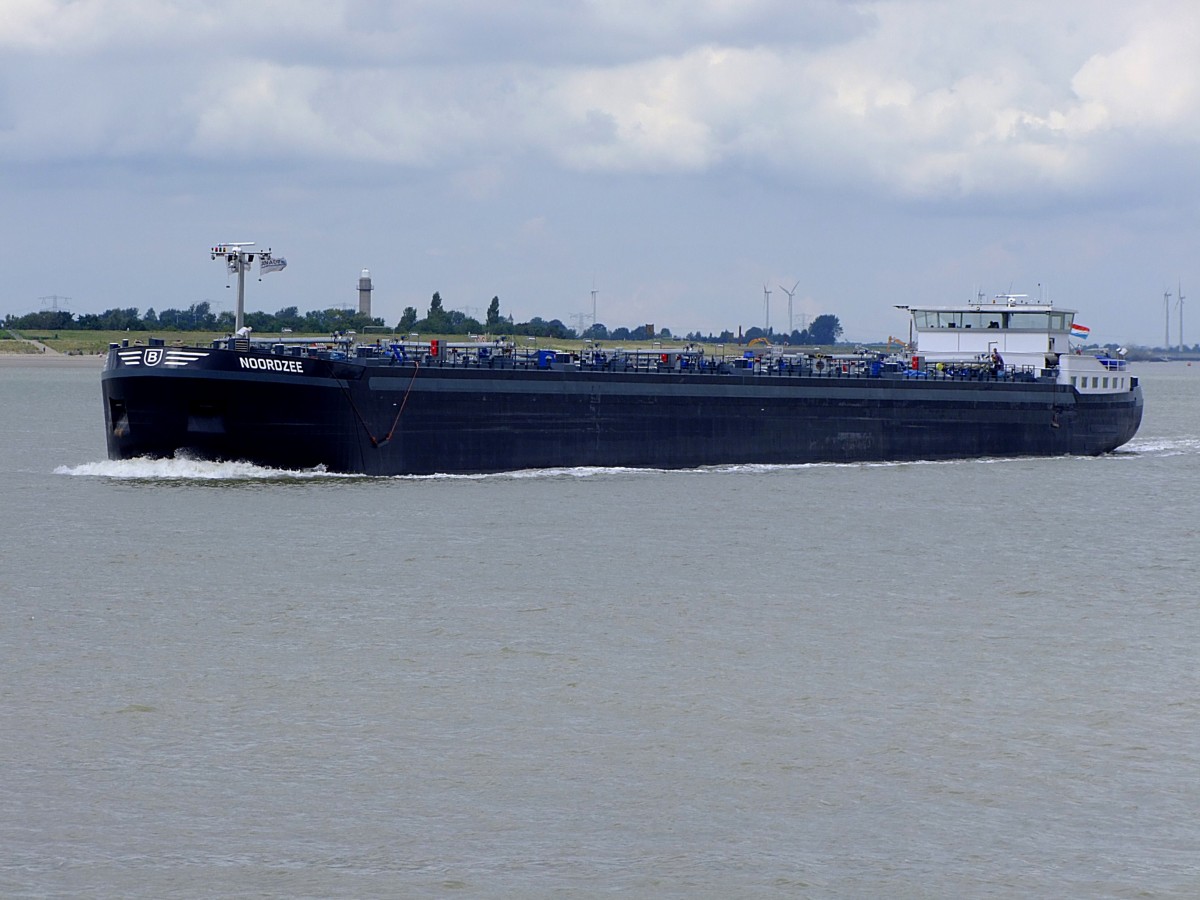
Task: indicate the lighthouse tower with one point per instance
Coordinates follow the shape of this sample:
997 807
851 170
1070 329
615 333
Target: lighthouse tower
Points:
364 292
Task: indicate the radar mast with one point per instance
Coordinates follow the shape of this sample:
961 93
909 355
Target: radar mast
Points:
238 259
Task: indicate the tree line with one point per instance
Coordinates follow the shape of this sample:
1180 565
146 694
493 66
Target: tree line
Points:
197 317
824 329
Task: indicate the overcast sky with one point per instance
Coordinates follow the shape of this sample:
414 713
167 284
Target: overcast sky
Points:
675 156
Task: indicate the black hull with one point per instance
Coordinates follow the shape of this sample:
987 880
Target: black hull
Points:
380 419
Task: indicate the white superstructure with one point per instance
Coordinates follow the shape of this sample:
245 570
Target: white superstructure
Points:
1032 337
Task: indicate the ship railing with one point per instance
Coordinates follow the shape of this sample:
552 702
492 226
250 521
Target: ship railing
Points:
974 372
669 360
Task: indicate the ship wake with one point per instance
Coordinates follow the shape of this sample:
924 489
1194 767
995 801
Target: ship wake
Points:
184 469
1160 447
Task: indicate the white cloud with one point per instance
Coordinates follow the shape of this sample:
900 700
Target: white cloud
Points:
919 99
867 110
61 27
1152 81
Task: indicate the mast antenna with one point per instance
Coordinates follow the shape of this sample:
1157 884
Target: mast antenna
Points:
238 259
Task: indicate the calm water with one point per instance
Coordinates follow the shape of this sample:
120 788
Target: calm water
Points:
923 680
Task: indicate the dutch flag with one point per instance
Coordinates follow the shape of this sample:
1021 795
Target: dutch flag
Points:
1079 331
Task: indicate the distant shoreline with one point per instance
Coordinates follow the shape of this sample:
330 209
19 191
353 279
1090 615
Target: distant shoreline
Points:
50 360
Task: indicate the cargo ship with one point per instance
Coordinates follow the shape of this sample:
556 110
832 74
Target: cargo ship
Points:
993 377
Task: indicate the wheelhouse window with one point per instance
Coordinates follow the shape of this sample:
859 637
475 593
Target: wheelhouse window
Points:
925 319
1029 321
1019 320
1039 321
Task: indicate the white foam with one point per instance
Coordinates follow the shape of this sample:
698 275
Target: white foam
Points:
576 472
1162 447
560 472
184 469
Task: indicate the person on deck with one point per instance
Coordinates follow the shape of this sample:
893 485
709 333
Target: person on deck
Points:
997 362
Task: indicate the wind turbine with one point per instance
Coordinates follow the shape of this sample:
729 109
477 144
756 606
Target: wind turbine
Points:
594 292
1167 317
791 294
767 304
1180 296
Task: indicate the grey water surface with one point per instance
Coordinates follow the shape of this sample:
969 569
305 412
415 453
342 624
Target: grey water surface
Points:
963 679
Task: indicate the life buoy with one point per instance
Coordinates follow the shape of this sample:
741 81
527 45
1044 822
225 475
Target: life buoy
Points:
819 365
